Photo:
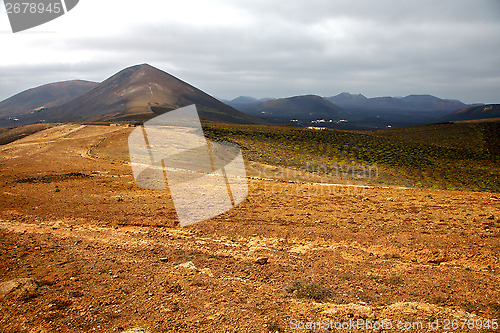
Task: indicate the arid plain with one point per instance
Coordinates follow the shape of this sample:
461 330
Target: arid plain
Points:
83 249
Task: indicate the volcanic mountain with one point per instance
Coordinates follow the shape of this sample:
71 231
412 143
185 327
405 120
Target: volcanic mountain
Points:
475 112
411 103
307 108
136 94
381 112
49 95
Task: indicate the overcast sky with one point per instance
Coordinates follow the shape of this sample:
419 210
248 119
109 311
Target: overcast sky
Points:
269 48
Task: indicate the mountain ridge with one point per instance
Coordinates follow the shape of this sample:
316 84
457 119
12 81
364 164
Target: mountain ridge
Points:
44 96
361 112
414 102
136 94
303 108
142 91
475 112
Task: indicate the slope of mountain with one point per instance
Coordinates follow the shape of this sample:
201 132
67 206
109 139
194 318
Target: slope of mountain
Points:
475 112
429 102
11 134
346 99
245 100
138 93
46 96
382 112
246 103
304 108
481 136
418 103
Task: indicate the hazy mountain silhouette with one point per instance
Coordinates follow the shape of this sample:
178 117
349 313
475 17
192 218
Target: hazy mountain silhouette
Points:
346 99
245 100
246 103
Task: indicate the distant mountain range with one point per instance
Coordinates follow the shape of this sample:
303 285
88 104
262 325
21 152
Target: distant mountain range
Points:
304 108
141 92
351 111
134 94
417 103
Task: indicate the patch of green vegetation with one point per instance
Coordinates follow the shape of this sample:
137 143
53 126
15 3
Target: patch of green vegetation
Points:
274 327
11 134
311 290
216 256
388 256
472 307
405 157
195 253
52 178
477 136
439 300
188 254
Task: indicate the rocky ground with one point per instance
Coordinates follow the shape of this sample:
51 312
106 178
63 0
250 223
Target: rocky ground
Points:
83 249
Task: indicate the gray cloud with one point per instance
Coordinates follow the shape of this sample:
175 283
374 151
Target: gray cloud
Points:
276 48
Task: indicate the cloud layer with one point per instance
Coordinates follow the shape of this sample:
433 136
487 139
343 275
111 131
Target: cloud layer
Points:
270 48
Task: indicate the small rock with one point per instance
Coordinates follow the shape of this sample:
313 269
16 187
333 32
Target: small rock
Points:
438 260
188 265
7 287
23 288
163 259
207 271
261 260
390 199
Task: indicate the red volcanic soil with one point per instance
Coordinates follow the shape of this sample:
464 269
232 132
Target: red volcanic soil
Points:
83 249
